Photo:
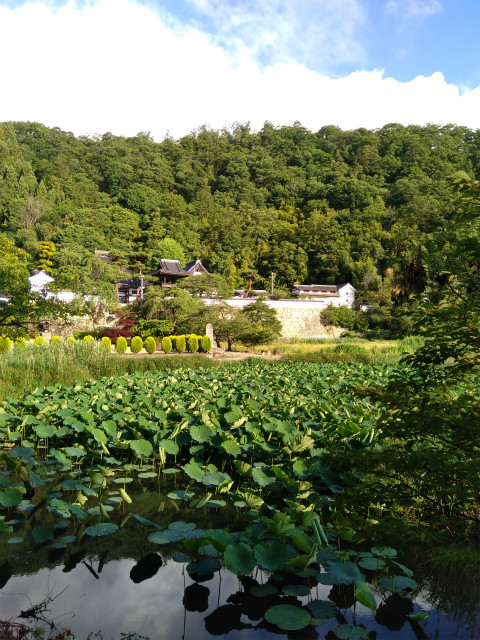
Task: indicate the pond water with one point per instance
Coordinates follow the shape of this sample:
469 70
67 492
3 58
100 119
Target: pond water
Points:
106 586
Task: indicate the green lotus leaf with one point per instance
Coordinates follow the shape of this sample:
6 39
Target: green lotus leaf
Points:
203 567
364 595
201 433
22 452
101 529
239 558
216 504
143 520
170 471
288 617
15 540
42 534
170 446
338 572
75 452
231 447
125 480
68 539
44 430
142 447
194 471
178 556
216 478
181 494
397 584
322 608
262 478
180 526
165 537
349 632
384 552
147 474
10 497
371 564
296 590
273 555
219 538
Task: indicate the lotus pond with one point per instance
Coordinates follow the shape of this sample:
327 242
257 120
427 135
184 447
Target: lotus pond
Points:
213 503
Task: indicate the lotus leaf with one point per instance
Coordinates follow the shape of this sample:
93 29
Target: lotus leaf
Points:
349 632
101 529
296 590
15 540
397 584
262 478
201 433
384 552
11 497
322 608
263 590
364 595
288 617
239 558
165 537
181 527
338 572
42 534
273 555
142 447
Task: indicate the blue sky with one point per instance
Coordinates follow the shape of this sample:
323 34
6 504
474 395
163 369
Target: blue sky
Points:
170 66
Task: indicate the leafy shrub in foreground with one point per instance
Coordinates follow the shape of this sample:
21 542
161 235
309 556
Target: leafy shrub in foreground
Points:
39 341
106 344
5 345
180 344
136 344
55 340
192 343
88 340
166 344
205 344
150 344
70 340
121 344
20 342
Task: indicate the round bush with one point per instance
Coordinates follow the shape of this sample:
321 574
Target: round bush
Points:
39 341
206 344
121 344
5 345
88 339
55 340
20 342
192 343
180 344
150 345
136 344
70 340
106 344
166 344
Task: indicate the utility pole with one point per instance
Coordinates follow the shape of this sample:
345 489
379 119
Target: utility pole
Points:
272 275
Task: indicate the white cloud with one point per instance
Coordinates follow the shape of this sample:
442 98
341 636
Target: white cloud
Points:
117 66
413 9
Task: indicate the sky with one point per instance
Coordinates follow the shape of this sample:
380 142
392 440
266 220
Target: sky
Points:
168 67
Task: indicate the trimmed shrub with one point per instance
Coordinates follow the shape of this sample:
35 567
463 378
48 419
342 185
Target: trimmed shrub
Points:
70 340
121 344
20 342
80 335
150 345
55 340
88 339
5 345
136 344
205 344
39 341
192 343
180 344
106 344
166 344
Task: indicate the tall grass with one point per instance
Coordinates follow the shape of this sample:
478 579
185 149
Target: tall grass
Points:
23 370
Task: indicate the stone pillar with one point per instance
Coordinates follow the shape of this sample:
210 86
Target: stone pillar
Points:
209 331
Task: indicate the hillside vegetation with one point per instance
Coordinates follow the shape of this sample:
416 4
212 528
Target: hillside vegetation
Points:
324 207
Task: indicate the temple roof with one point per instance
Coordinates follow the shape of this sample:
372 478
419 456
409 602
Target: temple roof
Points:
170 268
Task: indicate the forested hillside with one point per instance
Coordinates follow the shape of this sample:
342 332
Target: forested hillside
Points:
322 207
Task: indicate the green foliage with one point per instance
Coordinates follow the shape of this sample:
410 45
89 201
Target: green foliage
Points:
88 340
39 341
106 344
180 344
192 343
136 344
344 317
55 340
166 344
205 344
121 345
150 345
5 344
261 324
20 342
71 340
